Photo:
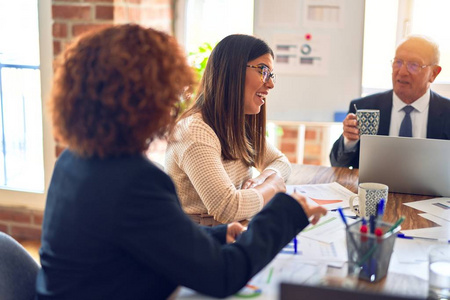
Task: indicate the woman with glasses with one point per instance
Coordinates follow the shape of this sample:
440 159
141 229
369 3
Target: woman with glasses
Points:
113 226
223 135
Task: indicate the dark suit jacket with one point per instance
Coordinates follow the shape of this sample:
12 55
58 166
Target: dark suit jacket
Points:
114 229
438 124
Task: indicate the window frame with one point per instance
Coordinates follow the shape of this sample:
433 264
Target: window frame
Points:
404 16
36 200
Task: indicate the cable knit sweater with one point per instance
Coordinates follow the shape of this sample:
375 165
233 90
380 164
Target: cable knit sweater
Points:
206 184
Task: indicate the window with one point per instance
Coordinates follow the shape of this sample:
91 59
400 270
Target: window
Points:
387 22
210 21
27 148
21 162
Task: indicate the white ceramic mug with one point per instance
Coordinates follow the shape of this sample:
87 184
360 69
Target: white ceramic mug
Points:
368 121
369 194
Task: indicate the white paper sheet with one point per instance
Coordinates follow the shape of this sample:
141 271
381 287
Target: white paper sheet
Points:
437 220
329 195
309 250
328 229
440 207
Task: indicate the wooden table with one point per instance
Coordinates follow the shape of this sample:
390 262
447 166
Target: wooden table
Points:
310 174
407 285
399 283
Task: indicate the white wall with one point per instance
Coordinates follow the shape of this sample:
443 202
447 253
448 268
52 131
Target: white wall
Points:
316 97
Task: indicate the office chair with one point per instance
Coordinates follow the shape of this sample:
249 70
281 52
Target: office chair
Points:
18 270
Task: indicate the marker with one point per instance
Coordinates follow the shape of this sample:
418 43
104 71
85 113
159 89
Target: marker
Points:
295 245
378 232
396 224
363 230
380 210
379 217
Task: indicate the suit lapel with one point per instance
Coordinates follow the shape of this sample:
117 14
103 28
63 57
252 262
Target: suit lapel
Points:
435 119
385 113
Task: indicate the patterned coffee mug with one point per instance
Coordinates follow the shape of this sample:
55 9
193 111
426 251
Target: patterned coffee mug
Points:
368 121
369 194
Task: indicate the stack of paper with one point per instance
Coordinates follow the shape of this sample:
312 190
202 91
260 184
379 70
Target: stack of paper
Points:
436 210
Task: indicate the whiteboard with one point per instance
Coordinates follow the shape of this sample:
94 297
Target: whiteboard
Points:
318 47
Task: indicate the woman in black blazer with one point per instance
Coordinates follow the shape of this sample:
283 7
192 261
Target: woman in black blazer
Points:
113 226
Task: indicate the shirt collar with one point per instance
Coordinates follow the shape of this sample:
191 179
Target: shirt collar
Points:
420 104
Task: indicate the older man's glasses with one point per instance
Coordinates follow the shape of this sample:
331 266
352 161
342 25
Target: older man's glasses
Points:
412 66
265 73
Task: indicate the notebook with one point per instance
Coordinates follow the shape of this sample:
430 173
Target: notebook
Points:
406 165
291 291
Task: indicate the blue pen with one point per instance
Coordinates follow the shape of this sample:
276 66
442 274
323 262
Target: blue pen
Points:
380 211
372 224
295 245
403 236
341 213
339 209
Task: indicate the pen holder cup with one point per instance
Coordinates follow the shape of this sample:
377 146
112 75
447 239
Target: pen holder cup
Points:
370 253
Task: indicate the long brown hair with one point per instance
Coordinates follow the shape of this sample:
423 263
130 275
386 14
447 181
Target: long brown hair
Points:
221 99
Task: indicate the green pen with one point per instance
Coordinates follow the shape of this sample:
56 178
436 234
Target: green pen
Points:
396 224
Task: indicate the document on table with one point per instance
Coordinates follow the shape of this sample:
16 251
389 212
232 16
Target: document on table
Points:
329 228
329 195
437 220
265 284
332 253
440 207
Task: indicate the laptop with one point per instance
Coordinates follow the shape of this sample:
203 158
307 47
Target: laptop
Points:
291 291
406 165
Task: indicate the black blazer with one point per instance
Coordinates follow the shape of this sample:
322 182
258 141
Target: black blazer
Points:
114 229
438 124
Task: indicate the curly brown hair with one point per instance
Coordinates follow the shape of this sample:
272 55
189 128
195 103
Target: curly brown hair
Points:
117 89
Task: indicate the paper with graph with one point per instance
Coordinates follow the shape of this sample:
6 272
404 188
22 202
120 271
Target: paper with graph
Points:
329 195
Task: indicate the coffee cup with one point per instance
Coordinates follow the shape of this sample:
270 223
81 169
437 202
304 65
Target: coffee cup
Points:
369 195
368 121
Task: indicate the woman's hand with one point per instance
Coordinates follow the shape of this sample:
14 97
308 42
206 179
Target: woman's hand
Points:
273 184
253 182
233 231
313 212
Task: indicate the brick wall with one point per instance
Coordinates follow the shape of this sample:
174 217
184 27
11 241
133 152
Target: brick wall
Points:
314 144
21 223
71 18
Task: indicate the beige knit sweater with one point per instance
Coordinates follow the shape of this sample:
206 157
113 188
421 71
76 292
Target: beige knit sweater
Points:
205 183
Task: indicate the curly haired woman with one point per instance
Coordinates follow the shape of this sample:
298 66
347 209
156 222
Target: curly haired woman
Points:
113 226
217 142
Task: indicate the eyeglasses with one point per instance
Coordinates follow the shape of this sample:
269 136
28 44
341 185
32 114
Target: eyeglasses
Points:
412 66
265 73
